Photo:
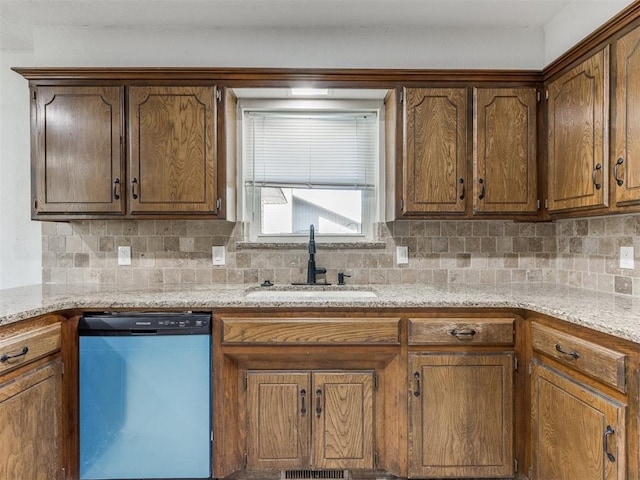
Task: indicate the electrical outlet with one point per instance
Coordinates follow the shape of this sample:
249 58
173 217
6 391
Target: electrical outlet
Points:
626 257
124 255
402 255
218 254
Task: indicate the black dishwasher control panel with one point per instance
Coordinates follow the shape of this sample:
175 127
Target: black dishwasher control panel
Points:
144 323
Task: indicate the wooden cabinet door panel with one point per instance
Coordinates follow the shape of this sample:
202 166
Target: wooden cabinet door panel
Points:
278 426
578 114
343 413
504 150
461 415
78 159
172 149
435 150
30 443
569 422
626 155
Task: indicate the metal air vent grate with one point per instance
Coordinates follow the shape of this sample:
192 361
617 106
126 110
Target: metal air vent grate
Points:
313 474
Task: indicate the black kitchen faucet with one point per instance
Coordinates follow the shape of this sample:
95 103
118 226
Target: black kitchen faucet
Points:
312 271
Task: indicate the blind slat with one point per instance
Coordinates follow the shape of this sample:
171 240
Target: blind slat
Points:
311 149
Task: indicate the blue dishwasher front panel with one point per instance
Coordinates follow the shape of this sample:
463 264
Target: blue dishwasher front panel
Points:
145 407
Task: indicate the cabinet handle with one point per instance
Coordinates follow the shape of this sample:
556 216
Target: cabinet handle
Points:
416 392
618 180
482 190
572 353
609 431
134 182
593 176
303 393
462 195
466 334
6 357
318 401
116 189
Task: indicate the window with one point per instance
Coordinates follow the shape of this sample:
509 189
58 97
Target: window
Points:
311 166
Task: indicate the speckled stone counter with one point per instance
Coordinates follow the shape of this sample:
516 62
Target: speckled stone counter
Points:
618 315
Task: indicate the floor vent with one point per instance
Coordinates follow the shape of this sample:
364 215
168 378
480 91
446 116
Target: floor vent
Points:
312 474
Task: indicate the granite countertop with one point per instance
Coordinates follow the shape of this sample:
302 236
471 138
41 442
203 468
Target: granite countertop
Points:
618 315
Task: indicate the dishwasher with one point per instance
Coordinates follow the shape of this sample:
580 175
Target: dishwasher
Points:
145 396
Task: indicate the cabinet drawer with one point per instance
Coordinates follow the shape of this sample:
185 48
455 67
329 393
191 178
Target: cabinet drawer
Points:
461 331
601 363
311 330
24 348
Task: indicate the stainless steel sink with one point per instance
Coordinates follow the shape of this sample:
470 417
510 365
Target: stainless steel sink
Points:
308 293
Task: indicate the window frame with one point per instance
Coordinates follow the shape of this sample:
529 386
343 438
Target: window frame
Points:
249 206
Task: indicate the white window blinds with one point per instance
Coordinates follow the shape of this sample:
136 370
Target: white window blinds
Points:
311 149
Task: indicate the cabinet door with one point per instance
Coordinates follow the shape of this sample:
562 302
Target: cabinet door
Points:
30 444
435 150
278 411
578 117
461 415
343 426
172 150
504 151
626 155
77 154
577 432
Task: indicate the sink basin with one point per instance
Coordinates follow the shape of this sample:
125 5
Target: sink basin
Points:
292 294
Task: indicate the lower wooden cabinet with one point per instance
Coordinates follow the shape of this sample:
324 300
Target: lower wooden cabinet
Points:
461 415
320 419
578 432
30 405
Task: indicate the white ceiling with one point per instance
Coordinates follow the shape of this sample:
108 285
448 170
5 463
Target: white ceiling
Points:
19 17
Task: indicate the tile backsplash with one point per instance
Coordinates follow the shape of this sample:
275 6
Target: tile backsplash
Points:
580 252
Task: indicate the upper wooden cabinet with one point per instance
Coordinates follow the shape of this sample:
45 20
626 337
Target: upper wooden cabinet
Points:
578 117
504 150
77 159
435 178
79 139
626 148
172 150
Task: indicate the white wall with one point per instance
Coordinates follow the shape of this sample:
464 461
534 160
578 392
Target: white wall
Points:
20 242
575 22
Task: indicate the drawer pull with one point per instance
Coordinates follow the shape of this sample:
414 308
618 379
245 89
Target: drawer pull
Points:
416 392
609 431
318 400
573 353
6 357
619 181
466 334
303 410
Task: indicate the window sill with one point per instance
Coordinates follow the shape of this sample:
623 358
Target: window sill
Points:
305 246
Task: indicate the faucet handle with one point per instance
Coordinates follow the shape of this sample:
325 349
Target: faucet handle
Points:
341 278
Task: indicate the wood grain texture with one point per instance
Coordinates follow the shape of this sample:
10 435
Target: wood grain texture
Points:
504 150
172 132
599 362
438 331
77 156
277 429
435 150
315 330
30 409
462 419
39 342
343 430
568 425
578 118
627 121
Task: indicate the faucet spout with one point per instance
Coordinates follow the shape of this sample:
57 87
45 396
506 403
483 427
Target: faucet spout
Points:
312 271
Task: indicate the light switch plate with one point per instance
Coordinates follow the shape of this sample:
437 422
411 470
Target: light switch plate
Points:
124 255
402 255
218 255
626 257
